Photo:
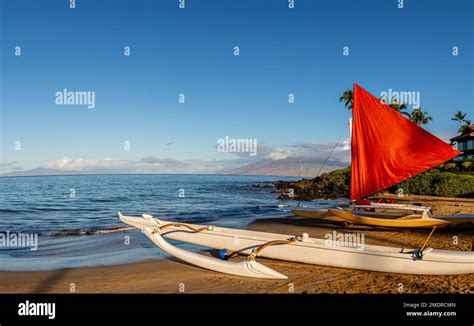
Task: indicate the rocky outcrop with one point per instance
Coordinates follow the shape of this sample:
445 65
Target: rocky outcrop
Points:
335 184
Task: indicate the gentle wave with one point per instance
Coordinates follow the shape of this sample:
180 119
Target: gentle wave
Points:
85 230
10 210
92 231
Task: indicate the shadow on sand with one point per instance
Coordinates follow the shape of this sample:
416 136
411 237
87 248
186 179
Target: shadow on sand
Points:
47 285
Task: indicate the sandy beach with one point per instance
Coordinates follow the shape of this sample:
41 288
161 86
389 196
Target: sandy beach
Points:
171 276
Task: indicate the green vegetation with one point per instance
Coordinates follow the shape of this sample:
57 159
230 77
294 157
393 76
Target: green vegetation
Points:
420 117
453 179
447 180
394 104
417 116
347 98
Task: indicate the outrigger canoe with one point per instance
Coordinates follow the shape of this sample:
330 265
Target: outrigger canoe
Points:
317 214
458 220
386 149
325 215
300 249
411 221
463 220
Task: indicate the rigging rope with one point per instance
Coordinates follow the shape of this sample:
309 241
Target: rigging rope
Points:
322 166
327 158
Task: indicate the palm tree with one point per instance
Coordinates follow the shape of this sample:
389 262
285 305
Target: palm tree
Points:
347 97
466 124
419 117
399 107
461 118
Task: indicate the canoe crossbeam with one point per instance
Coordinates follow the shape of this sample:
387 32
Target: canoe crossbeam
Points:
259 249
211 227
189 227
395 206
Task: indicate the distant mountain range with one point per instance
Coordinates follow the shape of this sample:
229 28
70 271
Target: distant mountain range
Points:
293 166
41 171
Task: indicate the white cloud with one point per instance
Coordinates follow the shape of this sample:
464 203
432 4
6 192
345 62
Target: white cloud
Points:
278 154
79 164
149 164
10 166
313 151
339 152
300 152
155 160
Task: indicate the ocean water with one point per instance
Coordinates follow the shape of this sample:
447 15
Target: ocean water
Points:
75 217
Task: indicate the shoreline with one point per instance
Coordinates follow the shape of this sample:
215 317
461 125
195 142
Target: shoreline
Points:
171 276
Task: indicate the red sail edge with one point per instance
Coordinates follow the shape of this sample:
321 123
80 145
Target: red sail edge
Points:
388 148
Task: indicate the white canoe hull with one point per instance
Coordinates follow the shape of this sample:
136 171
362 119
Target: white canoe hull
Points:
317 251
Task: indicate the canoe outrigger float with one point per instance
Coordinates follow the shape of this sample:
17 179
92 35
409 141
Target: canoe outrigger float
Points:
299 249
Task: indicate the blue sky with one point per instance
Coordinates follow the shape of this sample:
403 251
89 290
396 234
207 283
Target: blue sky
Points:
190 51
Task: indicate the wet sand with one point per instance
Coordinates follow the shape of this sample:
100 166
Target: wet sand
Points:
171 276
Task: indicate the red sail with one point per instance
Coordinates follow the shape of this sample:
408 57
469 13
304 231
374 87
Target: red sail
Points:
388 148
